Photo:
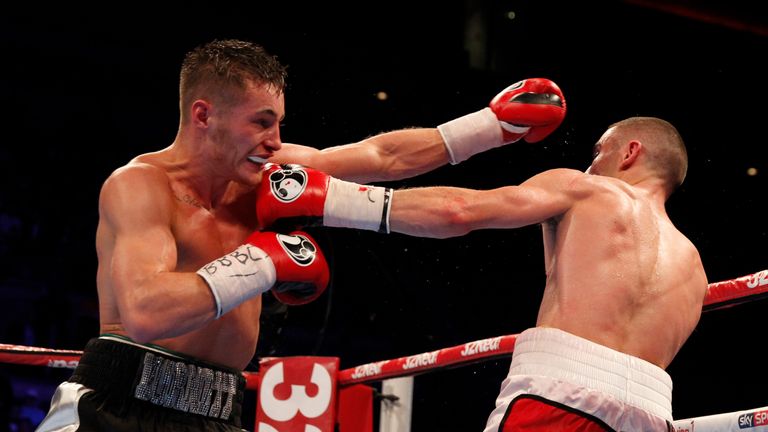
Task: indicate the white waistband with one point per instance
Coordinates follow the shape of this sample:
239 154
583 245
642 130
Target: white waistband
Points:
560 355
127 341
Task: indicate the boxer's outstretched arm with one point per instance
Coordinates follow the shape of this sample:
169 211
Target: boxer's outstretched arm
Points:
530 109
423 212
389 156
442 212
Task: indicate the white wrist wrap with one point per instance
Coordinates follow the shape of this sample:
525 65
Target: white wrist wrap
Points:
238 276
472 134
352 205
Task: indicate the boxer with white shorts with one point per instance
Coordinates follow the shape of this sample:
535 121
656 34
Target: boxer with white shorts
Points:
623 285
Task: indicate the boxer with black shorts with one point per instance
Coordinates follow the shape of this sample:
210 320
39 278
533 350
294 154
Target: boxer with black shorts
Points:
183 259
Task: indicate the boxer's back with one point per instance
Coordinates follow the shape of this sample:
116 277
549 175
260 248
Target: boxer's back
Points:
620 274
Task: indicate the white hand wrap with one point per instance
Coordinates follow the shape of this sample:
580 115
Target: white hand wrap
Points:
238 276
474 133
352 205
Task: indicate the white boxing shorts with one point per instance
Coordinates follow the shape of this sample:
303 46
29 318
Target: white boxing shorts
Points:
559 381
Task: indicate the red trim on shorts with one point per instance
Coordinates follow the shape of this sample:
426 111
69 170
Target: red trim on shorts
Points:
535 413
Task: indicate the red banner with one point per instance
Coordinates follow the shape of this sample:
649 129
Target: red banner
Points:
355 411
297 394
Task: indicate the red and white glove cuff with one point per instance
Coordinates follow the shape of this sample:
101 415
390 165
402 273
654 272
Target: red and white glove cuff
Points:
352 205
474 133
238 276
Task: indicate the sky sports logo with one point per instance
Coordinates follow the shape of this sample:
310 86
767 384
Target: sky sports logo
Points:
753 419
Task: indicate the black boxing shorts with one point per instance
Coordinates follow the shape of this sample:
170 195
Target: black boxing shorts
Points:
120 385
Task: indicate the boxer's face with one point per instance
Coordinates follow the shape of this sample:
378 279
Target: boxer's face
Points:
247 133
604 156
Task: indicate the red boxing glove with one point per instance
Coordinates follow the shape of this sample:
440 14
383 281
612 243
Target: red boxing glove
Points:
291 193
302 272
530 109
291 265
534 103
301 196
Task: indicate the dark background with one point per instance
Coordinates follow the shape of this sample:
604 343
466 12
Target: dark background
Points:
83 91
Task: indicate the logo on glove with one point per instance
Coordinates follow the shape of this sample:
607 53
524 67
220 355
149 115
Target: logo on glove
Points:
299 248
288 184
514 86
